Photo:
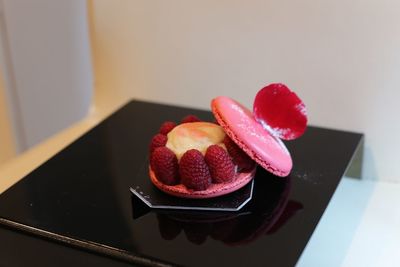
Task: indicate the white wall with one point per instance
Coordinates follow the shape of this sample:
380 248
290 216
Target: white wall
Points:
342 57
46 64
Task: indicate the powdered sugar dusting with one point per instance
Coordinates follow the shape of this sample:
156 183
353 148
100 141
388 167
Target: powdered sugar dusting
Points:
288 133
251 129
236 107
313 178
260 144
302 109
282 110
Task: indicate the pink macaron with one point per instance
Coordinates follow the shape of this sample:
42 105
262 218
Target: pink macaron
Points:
214 190
239 124
278 113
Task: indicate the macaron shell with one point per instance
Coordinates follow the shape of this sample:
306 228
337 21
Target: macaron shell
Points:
214 190
240 125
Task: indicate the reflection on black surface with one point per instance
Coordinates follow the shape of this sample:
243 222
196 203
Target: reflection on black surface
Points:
268 211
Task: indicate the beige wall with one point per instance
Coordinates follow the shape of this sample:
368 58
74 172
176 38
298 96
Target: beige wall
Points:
7 145
342 57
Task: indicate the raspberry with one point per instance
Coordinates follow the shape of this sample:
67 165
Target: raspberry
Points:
223 229
169 229
239 157
157 141
194 171
164 163
197 232
190 118
220 164
166 127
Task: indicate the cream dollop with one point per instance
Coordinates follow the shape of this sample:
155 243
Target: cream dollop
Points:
194 135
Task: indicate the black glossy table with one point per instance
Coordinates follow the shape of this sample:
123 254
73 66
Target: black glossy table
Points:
76 209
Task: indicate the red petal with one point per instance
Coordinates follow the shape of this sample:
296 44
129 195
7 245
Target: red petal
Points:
281 111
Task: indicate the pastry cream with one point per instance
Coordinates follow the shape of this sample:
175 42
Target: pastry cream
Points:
194 135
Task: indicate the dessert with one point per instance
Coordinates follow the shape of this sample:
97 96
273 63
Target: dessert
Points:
191 160
278 113
263 147
198 159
